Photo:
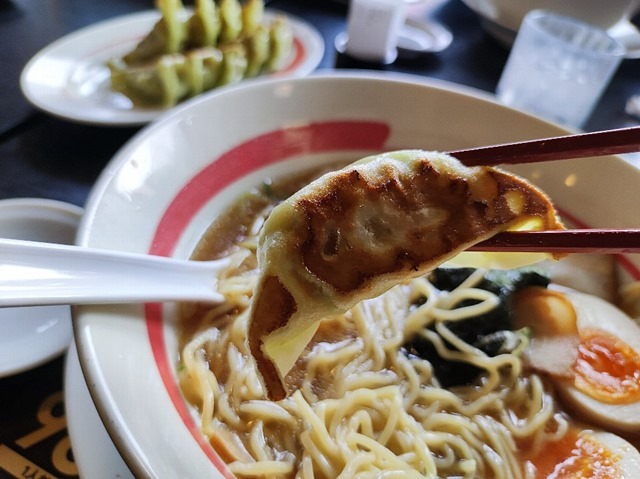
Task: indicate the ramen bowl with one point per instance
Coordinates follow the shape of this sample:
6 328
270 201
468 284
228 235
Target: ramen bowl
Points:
163 189
502 18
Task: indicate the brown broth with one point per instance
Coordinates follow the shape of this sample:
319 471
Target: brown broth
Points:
231 228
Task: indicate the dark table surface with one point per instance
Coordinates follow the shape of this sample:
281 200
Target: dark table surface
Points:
43 156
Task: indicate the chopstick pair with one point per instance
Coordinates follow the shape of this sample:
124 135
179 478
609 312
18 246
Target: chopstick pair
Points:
599 143
603 241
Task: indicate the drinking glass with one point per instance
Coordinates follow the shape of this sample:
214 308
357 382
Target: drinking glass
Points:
558 68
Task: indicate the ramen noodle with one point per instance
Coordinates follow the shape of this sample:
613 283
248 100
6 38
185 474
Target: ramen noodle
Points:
366 401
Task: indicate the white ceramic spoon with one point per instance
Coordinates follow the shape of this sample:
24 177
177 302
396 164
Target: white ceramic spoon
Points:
34 273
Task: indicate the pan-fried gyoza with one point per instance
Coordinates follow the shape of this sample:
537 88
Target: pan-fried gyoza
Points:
355 233
220 43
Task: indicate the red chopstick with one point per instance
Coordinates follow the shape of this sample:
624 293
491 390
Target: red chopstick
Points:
603 241
601 143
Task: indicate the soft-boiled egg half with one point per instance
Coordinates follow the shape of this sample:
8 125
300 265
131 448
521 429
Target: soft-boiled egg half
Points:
606 375
587 454
590 349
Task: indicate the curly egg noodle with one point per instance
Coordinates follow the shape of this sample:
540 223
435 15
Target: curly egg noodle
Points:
363 407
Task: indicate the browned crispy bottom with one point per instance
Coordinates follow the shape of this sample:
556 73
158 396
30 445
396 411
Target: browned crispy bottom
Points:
335 252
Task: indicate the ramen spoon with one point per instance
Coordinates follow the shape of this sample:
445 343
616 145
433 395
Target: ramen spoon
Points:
34 273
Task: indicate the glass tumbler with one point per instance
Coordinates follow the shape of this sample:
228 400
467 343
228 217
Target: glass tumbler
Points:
558 68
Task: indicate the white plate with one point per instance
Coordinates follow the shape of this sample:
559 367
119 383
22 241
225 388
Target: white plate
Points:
146 201
32 336
93 452
70 79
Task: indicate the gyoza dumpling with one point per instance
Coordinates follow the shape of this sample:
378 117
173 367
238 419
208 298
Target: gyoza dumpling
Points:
203 69
162 84
280 44
257 48
204 25
234 63
252 17
168 35
230 20
355 233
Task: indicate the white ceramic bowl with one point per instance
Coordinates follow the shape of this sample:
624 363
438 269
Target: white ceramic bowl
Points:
162 190
31 336
502 18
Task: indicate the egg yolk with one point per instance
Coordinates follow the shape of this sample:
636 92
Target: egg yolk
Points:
576 456
607 369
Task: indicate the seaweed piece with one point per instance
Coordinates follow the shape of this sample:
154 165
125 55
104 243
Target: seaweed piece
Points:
485 332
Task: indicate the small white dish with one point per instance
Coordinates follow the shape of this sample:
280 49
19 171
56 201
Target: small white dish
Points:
93 451
418 37
70 79
31 336
502 18
415 38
